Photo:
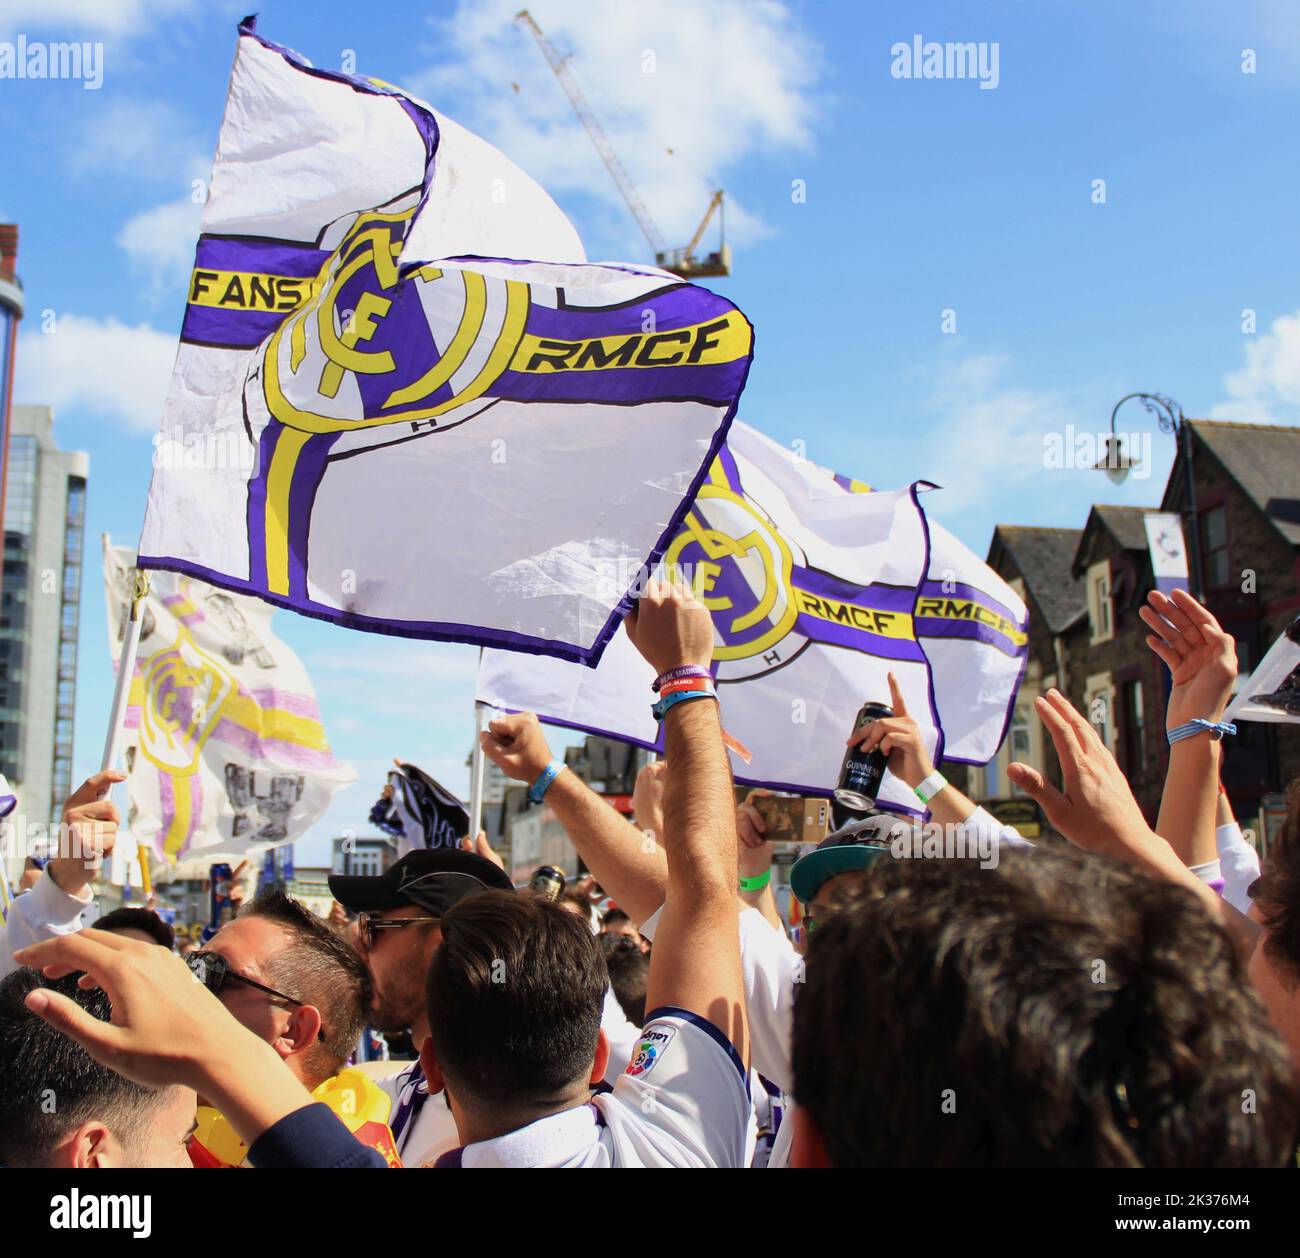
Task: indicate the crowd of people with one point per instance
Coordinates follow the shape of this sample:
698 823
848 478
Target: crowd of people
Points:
1127 998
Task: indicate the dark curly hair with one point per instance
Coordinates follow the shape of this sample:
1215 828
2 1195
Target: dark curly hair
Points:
1058 1010
1277 892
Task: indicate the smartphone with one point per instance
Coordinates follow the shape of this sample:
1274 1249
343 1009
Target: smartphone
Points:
794 818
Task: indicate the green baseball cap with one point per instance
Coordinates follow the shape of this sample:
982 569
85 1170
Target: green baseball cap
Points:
854 846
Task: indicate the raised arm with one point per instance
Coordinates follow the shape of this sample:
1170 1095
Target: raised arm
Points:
1202 662
695 964
56 904
900 738
1096 811
628 864
90 821
167 1028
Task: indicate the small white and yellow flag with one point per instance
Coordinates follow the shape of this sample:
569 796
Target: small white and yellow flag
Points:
225 747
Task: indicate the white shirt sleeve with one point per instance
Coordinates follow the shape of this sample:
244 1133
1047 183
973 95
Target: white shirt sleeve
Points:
982 822
684 1098
621 1034
771 968
41 913
1238 863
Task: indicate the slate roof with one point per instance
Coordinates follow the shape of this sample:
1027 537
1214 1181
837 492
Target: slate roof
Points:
1044 557
1264 459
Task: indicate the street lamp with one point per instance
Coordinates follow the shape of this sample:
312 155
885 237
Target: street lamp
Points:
1117 463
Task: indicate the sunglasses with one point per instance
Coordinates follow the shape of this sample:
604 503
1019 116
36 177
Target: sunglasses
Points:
369 926
214 972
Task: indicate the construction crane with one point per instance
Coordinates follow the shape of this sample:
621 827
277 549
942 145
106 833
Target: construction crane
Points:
683 261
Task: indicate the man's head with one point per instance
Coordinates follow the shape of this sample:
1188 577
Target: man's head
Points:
629 969
573 901
137 923
836 867
399 930
515 996
59 1107
1060 1009
616 922
1275 965
320 989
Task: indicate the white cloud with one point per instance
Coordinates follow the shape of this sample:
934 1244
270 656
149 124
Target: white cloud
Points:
989 431
986 442
99 365
144 140
731 80
1266 389
160 243
98 16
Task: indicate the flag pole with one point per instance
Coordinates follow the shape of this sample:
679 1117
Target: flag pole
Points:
6 890
476 773
122 693
476 764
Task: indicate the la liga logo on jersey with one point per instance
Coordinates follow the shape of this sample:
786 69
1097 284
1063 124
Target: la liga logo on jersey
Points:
654 1040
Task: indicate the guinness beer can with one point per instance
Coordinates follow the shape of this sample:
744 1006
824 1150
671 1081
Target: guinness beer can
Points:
862 771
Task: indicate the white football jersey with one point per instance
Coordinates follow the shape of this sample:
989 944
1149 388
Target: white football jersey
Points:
682 1102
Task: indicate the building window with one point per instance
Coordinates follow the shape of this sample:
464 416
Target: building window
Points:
1135 729
365 862
1019 748
1099 708
1100 604
1214 548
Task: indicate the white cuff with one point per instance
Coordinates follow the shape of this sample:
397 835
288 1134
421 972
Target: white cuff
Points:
50 903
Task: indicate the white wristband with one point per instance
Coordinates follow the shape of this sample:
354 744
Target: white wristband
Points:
930 787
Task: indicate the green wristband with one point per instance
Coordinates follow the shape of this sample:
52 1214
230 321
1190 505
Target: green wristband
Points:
758 882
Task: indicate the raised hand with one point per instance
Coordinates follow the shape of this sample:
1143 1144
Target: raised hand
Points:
1096 810
751 829
648 799
517 746
164 1022
1201 657
670 627
166 1027
900 738
90 819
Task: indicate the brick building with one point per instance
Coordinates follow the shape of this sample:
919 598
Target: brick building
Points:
1084 588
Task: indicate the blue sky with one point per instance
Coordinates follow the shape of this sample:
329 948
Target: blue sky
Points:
920 196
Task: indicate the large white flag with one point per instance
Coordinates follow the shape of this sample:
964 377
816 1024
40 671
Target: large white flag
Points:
818 587
225 749
402 400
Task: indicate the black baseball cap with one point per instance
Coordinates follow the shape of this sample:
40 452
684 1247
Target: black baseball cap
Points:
431 878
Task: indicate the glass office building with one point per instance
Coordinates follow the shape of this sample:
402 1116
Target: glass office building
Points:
40 599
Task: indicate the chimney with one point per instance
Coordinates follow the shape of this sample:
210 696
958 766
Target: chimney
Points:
8 250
